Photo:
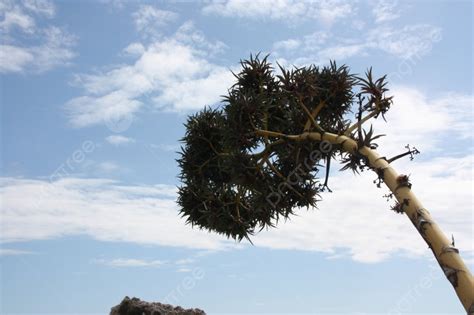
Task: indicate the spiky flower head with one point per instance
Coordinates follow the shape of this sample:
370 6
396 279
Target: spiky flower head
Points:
236 180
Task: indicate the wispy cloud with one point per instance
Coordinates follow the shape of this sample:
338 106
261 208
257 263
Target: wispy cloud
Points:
185 261
119 140
164 147
116 4
188 34
182 265
288 44
405 42
171 73
130 262
353 221
15 18
14 252
107 166
53 45
41 7
101 208
289 11
108 108
426 121
385 10
151 20
319 47
134 49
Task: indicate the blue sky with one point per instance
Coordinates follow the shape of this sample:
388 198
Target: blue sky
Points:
93 99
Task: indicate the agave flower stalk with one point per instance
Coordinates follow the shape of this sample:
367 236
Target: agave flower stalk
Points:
444 251
251 162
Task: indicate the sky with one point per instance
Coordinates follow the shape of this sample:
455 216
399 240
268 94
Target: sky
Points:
94 95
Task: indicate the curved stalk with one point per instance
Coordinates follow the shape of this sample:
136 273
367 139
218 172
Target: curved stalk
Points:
445 253
358 124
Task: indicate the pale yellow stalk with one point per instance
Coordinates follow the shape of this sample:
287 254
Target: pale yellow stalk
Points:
445 253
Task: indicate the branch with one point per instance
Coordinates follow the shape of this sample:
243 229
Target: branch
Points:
268 133
360 123
213 148
277 172
265 125
267 147
314 114
310 116
410 152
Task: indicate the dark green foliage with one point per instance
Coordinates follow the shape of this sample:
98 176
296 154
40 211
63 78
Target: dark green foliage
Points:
234 180
311 87
377 100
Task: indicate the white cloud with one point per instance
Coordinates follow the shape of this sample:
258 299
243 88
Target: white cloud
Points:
114 106
406 42
181 265
134 49
51 47
158 189
108 166
43 7
189 35
15 18
116 4
182 95
14 252
14 59
289 44
352 221
355 220
119 140
385 10
342 52
171 72
318 48
151 20
130 262
185 261
100 208
55 51
424 121
290 11
164 147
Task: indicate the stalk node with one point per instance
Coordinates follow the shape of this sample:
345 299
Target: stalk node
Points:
421 211
451 274
449 249
420 225
403 181
470 311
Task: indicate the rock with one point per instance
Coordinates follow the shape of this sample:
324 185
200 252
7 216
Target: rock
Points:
134 306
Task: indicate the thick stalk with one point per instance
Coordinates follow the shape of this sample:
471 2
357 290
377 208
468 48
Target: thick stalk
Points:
445 253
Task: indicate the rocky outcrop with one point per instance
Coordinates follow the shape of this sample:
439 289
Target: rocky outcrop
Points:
134 306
